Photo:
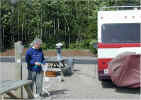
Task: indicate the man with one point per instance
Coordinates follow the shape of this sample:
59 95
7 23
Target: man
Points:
34 57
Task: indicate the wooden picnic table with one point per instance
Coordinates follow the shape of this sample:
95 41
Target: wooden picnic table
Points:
6 86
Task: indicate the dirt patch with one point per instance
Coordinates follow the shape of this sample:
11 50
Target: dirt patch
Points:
65 53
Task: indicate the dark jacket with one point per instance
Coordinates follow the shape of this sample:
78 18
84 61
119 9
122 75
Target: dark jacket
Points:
34 55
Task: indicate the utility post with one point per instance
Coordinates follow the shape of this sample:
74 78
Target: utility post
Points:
18 62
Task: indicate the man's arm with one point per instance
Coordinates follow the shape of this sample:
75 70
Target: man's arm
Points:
43 58
28 58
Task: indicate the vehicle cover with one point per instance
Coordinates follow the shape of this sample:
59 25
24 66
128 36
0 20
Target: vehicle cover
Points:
124 70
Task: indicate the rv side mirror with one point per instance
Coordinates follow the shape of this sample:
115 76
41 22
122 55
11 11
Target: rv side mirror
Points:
95 45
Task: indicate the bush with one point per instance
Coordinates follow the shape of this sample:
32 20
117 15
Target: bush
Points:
80 45
51 45
86 43
91 46
44 45
74 45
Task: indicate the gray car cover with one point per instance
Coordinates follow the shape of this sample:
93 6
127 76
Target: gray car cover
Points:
124 70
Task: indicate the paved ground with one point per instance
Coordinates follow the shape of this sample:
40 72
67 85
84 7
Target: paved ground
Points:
77 59
82 85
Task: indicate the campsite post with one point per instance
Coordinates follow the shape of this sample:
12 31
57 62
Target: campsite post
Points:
18 62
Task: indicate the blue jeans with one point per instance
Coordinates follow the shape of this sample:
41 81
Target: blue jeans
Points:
37 78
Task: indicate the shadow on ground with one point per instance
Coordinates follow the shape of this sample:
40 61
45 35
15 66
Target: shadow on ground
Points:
128 90
110 84
57 92
107 84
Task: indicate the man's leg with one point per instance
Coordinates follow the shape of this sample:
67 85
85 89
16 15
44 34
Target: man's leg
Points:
39 82
32 76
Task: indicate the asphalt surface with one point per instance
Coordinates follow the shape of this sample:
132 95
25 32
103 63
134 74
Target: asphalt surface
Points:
77 60
83 84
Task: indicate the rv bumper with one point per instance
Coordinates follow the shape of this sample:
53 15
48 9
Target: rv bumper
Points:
103 76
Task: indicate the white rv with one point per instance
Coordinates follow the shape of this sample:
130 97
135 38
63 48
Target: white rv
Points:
118 31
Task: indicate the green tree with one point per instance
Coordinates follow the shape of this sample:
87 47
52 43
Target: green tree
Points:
73 22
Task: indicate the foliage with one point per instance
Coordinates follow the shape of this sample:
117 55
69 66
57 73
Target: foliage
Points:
44 45
72 22
92 45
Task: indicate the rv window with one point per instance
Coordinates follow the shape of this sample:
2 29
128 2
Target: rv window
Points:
121 33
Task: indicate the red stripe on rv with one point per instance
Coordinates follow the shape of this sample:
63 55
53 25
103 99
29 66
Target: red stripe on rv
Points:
118 45
103 63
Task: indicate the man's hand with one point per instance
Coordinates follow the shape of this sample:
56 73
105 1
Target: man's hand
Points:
38 63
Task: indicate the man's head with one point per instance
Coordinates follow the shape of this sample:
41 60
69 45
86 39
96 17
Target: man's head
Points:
37 43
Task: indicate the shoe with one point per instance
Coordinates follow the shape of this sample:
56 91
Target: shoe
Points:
36 95
44 94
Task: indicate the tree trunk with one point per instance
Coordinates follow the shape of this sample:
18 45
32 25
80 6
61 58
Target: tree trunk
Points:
1 42
54 28
58 24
